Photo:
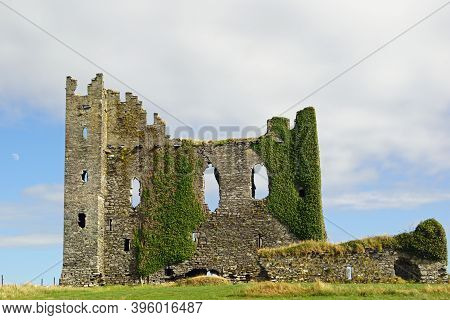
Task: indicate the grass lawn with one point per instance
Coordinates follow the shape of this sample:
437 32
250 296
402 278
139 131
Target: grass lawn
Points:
256 290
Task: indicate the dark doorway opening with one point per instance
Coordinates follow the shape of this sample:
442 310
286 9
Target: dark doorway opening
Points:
406 269
168 272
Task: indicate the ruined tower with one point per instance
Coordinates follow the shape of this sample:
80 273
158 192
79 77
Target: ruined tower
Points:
171 233
84 181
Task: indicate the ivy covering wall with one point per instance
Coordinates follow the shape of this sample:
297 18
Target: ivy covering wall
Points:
170 210
427 241
292 160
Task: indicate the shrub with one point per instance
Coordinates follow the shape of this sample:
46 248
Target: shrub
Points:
427 241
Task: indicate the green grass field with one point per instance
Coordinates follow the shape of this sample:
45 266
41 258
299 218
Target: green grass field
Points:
220 290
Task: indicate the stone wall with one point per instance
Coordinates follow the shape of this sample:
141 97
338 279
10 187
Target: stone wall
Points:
84 183
369 266
119 147
412 268
228 241
228 244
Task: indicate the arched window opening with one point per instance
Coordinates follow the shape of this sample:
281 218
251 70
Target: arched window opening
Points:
135 192
211 188
85 176
110 224
82 220
126 245
85 133
260 182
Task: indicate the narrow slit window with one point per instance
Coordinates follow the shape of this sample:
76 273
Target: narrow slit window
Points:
348 272
260 182
85 133
82 220
260 241
84 176
126 246
85 107
110 224
135 192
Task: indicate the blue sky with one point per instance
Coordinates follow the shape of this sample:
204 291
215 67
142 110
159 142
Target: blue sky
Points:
383 127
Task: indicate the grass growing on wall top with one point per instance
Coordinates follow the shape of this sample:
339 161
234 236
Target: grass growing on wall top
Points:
171 210
292 161
427 241
313 247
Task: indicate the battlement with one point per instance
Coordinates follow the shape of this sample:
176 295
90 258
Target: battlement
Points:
110 148
135 207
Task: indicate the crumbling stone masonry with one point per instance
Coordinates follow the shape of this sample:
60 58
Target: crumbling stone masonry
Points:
171 233
365 267
106 240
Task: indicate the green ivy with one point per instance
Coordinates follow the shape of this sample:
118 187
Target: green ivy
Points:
427 241
170 210
292 161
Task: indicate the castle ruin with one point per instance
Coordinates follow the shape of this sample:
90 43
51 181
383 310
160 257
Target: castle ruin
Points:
171 233
108 144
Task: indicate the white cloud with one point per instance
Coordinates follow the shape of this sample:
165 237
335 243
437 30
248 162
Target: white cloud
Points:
15 156
38 205
384 200
241 62
46 192
30 240
17 211
35 218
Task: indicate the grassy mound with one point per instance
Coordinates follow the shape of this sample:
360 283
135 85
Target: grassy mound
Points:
202 281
